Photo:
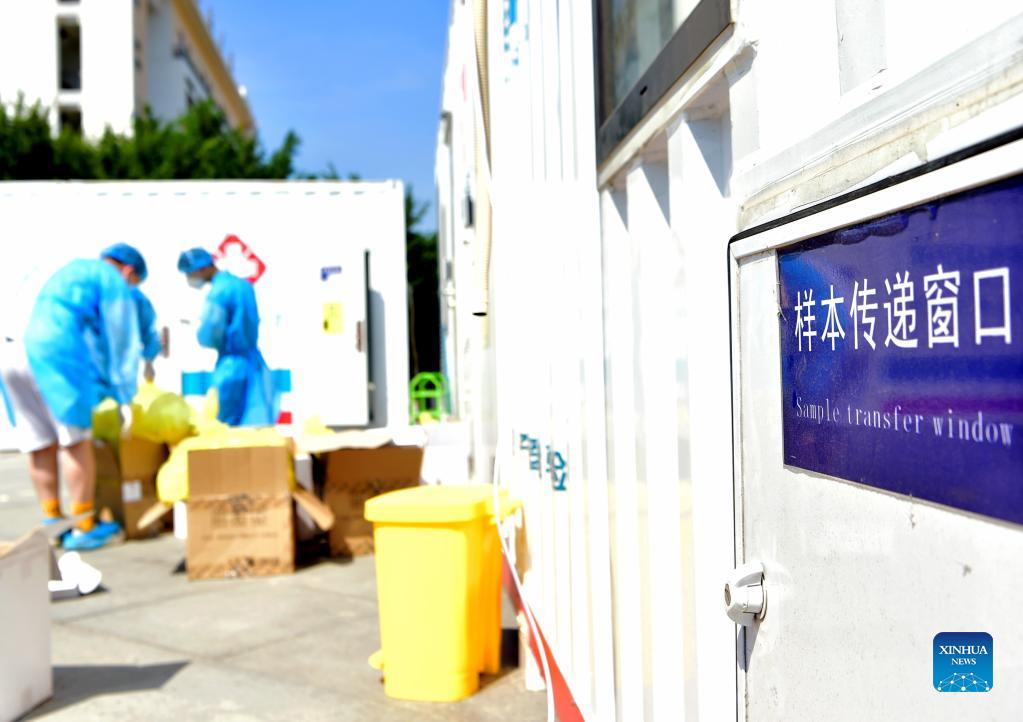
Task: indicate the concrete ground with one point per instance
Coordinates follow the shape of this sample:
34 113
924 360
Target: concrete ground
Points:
154 646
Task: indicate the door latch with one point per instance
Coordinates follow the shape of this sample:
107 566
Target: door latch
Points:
745 597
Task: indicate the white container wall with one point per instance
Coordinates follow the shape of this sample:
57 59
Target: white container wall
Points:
601 378
331 294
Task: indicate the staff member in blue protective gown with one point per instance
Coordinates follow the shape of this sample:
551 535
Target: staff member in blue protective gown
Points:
80 346
150 337
230 324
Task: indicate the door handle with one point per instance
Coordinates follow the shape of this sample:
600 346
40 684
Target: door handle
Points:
745 596
358 336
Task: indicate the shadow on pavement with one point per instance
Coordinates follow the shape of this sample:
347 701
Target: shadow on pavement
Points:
75 683
488 679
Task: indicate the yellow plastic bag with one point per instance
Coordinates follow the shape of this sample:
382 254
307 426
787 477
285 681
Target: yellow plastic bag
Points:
160 416
157 415
204 420
172 479
314 427
106 422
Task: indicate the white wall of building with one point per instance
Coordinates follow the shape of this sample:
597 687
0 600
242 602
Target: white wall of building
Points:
610 302
175 64
128 61
165 76
465 344
108 67
28 51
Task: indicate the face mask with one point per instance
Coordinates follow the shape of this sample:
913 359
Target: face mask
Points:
196 282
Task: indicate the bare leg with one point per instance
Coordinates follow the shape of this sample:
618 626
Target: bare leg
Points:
80 472
42 467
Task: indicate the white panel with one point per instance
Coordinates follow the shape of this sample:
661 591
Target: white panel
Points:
596 479
534 71
380 226
699 156
916 38
562 410
815 533
861 41
551 85
597 695
622 485
335 336
638 486
579 222
657 356
787 110
571 137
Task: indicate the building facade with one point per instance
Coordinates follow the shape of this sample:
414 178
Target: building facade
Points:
600 168
98 64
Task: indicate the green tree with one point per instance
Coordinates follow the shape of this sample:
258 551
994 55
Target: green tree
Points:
201 144
26 148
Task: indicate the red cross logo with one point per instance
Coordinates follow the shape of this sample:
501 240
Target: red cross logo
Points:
235 256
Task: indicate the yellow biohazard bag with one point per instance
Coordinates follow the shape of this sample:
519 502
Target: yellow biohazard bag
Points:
106 422
160 416
172 480
157 415
204 420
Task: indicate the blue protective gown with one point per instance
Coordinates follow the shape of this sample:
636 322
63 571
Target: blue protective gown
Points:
230 324
82 340
150 338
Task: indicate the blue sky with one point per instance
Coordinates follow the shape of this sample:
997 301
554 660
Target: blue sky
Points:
358 80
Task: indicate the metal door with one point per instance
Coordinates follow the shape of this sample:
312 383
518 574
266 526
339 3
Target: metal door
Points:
870 548
334 380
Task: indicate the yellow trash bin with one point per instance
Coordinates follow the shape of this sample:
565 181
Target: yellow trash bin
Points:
438 563
490 583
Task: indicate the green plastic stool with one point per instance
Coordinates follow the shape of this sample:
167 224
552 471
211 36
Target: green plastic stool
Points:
428 393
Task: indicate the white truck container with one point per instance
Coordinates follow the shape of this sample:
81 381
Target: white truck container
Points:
327 260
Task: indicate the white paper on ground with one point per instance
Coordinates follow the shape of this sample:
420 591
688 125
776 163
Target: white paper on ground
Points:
76 577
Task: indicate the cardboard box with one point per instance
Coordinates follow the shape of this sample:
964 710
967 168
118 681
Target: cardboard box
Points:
240 515
305 527
126 482
26 677
360 465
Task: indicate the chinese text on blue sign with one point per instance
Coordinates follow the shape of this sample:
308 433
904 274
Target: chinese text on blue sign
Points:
902 363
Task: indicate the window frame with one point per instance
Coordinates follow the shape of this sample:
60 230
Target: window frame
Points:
702 26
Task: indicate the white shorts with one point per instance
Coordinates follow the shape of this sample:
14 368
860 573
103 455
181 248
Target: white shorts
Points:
34 424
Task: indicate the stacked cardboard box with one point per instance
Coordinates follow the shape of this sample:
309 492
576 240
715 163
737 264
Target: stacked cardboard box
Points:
241 518
126 482
356 466
240 512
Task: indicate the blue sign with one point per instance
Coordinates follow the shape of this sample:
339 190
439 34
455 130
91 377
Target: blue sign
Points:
902 351
197 383
556 466
964 662
328 271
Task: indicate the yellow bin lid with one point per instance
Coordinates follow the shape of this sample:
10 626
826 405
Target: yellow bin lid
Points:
429 504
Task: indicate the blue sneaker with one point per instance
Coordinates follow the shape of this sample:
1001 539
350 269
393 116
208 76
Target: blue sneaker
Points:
111 529
95 538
